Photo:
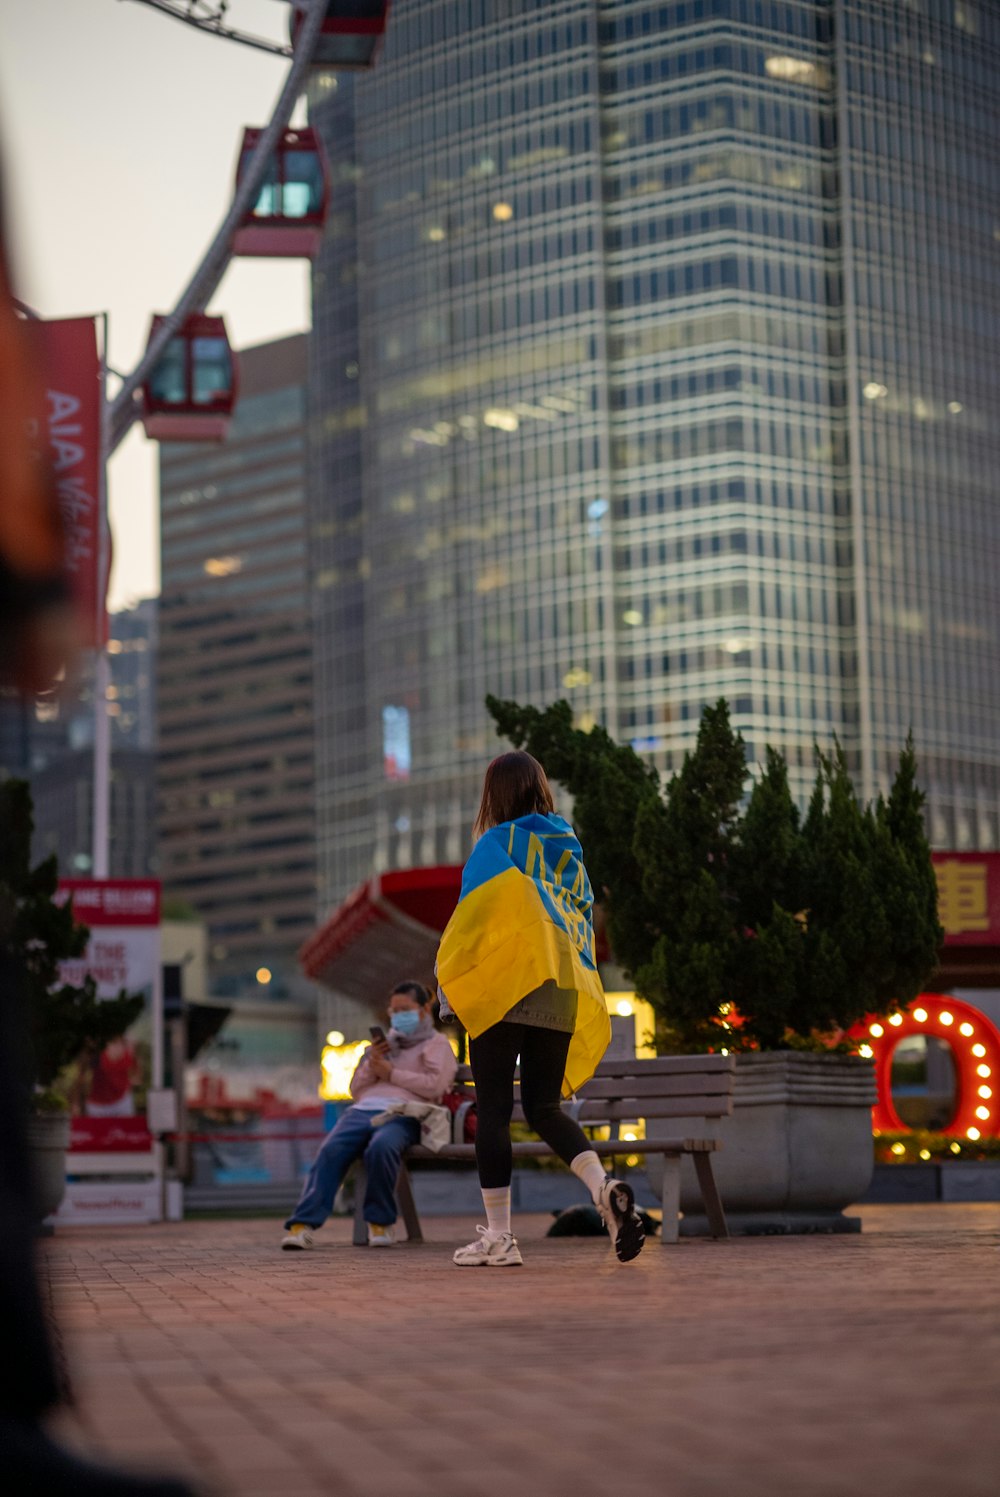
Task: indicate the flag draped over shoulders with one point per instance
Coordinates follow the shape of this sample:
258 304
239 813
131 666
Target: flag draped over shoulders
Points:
523 919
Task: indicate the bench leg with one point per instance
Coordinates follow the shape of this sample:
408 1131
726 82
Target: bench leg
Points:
407 1205
360 1238
670 1231
710 1195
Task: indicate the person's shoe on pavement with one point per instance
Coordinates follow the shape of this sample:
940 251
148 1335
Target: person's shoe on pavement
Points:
490 1250
616 1203
298 1237
380 1236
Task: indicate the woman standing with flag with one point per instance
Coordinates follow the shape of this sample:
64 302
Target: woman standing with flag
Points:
516 965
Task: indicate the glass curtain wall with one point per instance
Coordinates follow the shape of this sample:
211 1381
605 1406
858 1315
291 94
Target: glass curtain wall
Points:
656 360
919 121
727 375
339 565
481 559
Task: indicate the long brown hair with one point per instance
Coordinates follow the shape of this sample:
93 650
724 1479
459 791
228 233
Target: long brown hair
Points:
515 785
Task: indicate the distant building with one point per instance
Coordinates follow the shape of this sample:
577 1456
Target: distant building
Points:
235 759
63 796
22 737
655 360
50 743
36 733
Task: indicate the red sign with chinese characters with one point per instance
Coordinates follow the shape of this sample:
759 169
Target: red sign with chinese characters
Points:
968 897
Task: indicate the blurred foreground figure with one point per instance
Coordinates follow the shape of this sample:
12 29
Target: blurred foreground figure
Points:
36 617
36 644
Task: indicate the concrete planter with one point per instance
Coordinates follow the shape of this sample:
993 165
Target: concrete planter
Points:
48 1142
796 1150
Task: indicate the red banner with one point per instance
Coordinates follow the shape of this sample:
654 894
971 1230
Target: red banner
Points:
71 440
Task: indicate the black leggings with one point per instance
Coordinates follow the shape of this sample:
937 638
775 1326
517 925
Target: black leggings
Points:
493 1057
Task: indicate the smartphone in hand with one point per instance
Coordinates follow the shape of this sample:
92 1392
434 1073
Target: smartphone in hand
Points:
377 1033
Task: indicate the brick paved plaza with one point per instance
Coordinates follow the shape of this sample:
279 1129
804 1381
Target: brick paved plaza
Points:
865 1365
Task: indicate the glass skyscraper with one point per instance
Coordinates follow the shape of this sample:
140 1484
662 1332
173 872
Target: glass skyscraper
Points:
918 120
655 360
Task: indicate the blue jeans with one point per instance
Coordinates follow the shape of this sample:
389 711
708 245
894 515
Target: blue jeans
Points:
352 1137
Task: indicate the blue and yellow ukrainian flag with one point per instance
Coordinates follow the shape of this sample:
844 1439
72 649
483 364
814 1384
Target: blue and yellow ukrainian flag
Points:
524 918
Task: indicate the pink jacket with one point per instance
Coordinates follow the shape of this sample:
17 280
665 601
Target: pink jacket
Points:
420 1073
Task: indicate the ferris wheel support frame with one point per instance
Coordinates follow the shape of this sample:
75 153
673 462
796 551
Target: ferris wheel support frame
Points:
125 409
213 23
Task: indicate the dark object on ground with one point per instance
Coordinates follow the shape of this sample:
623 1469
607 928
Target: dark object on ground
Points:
28 1381
35 1464
585 1221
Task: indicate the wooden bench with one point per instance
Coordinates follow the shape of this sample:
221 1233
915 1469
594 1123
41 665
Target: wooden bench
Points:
693 1087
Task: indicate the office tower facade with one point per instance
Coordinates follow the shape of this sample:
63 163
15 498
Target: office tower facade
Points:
235 757
918 125
666 363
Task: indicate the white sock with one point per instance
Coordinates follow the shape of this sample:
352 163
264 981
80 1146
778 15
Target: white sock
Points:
497 1203
588 1168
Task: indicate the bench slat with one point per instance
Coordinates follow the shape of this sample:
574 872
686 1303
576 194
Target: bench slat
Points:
658 1107
658 1086
687 1104
672 1066
529 1149
642 1086
600 1111
667 1065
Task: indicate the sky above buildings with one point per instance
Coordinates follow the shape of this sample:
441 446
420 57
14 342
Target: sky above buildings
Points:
119 130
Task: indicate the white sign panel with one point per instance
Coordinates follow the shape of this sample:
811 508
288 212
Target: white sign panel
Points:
89 1204
111 1089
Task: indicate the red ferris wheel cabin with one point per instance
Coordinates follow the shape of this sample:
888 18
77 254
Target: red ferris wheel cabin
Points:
351 34
190 395
286 221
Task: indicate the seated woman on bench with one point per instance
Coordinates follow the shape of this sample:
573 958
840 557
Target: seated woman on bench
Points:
414 1064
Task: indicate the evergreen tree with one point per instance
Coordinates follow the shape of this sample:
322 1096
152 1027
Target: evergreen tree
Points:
767 966
37 934
684 851
716 904
909 886
848 937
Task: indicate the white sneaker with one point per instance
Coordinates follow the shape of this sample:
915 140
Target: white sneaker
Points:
491 1249
297 1238
379 1236
616 1203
